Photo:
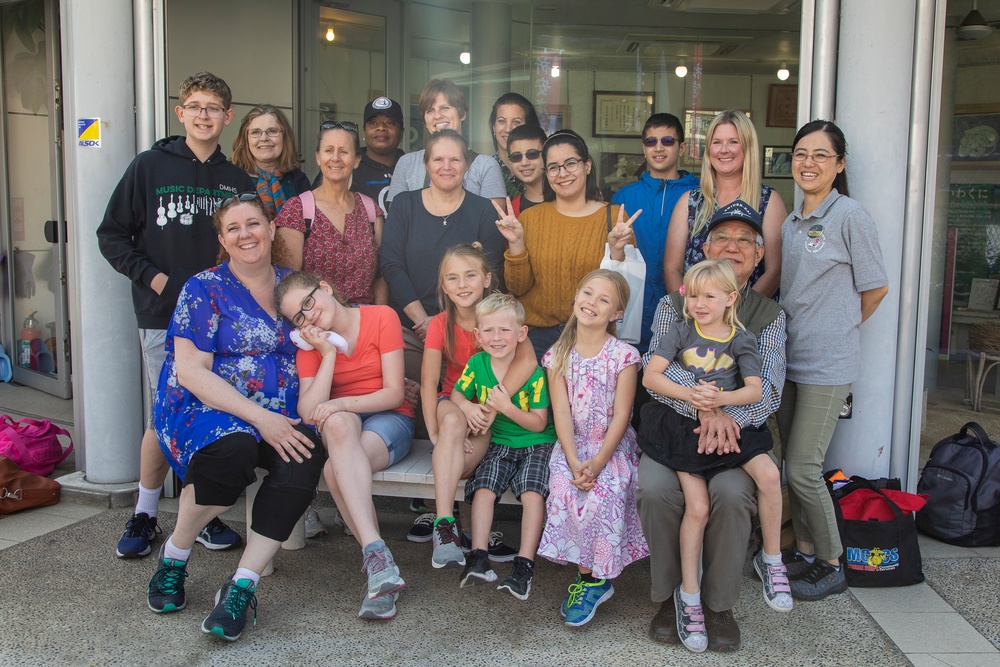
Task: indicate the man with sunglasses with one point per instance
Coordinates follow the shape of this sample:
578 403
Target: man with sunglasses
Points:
656 193
158 232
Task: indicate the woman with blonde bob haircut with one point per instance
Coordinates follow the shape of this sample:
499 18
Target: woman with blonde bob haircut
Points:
731 171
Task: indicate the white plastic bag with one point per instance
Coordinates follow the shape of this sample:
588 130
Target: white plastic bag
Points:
634 270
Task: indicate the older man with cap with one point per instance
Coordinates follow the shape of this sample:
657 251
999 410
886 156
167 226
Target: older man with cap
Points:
735 234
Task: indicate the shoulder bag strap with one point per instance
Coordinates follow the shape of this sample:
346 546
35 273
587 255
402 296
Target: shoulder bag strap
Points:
369 206
308 210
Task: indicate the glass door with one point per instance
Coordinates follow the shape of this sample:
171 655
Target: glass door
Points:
33 239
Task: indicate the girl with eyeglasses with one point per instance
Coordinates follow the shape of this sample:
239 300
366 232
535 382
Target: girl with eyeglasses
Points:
832 280
656 193
266 149
555 244
509 112
337 238
730 170
525 156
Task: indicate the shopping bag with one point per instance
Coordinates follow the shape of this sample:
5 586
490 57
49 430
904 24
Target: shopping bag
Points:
633 268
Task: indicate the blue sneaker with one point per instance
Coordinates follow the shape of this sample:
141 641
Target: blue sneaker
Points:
166 589
229 617
583 600
140 531
217 536
569 597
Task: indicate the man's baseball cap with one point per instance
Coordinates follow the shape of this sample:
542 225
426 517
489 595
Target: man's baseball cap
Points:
384 105
740 211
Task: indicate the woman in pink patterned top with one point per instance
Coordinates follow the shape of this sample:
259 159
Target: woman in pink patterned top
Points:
340 243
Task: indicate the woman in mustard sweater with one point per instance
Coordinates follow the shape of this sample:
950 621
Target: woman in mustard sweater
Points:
555 244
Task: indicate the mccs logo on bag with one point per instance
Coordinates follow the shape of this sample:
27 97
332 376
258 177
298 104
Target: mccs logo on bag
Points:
875 559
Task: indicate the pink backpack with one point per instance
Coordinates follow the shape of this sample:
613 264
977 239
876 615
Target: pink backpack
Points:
309 209
33 444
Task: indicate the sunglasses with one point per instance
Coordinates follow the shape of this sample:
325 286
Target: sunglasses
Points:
666 141
338 124
243 197
532 154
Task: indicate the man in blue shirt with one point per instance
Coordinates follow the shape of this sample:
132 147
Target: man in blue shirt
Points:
656 192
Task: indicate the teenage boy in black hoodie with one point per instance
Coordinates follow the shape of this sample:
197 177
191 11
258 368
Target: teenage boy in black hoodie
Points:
158 231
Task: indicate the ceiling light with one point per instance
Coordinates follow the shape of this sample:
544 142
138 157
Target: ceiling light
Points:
681 71
783 72
465 57
330 36
555 71
974 26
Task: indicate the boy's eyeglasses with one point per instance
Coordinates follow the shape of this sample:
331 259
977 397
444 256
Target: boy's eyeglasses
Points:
307 304
194 110
532 154
338 124
666 141
271 132
243 198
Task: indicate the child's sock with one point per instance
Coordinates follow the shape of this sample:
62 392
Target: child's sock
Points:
691 599
588 578
449 519
770 559
807 558
170 551
148 501
243 573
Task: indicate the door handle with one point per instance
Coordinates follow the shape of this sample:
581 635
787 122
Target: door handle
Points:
53 229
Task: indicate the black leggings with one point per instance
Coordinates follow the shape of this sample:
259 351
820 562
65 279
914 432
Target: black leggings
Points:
221 471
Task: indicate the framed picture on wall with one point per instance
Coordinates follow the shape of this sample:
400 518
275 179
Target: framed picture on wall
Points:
782 104
976 137
619 169
621 114
696 124
554 118
777 162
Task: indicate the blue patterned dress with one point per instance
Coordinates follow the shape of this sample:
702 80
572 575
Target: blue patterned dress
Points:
251 351
695 252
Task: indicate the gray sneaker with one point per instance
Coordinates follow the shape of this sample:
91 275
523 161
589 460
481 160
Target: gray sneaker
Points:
447 552
794 563
383 575
777 593
381 608
819 581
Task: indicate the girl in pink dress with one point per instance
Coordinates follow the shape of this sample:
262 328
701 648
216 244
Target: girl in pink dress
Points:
592 516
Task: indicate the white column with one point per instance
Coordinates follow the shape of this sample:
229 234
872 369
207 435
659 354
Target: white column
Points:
489 47
97 43
874 73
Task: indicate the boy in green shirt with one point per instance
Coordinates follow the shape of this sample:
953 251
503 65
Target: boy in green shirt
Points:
520 446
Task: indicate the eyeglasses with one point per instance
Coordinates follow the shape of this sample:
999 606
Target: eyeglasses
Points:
571 166
666 141
743 241
307 304
271 132
194 110
243 198
532 154
819 157
338 125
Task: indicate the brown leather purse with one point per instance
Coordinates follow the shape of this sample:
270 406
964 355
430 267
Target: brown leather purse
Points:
21 490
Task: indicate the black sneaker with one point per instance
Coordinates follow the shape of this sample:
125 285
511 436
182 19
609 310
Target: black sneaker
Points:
477 569
820 580
794 563
518 582
217 536
499 552
230 614
423 528
140 531
166 589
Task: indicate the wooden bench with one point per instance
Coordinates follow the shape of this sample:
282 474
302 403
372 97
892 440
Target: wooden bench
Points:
412 477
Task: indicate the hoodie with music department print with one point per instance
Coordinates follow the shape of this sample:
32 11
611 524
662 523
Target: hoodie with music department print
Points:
159 220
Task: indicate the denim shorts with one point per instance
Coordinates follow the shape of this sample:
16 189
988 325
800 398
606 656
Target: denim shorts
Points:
395 429
154 354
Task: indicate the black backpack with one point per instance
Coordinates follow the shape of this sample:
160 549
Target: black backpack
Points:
962 477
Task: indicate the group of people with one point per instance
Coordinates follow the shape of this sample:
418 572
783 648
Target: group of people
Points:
435 293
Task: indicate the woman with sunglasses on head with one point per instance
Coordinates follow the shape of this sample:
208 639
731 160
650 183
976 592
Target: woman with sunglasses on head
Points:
226 405
656 193
340 241
555 244
509 111
443 107
730 171
525 156
266 149
832 280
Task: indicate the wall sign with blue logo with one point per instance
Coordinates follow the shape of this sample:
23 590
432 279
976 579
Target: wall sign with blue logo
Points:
88 132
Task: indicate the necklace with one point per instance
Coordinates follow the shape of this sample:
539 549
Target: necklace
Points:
444 218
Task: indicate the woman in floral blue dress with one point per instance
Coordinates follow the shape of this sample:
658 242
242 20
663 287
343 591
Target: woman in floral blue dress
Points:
225 405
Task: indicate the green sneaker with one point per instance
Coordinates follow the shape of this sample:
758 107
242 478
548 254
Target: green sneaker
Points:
586 600
166 589
573 590
230 614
